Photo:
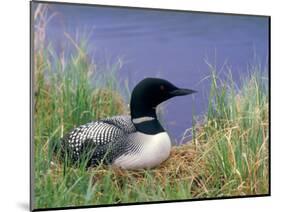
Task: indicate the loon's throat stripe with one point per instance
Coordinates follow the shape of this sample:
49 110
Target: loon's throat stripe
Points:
142 119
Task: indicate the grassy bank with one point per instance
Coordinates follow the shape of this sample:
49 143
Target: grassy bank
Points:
66 94
232 144
228 154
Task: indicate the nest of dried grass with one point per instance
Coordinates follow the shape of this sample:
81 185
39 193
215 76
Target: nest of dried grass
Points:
177 167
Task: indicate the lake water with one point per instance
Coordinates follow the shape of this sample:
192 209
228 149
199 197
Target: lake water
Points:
171 45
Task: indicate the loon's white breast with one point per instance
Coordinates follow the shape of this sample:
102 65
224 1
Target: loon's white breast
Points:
154 149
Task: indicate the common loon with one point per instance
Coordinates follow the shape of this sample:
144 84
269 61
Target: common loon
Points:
130 142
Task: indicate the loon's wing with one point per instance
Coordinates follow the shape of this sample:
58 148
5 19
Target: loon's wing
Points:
96 140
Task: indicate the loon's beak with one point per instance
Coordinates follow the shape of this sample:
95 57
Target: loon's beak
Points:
182 92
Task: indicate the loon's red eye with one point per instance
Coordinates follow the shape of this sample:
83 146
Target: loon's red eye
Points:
162 88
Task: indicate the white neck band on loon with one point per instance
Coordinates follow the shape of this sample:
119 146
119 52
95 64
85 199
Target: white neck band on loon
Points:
142 119
146 122
150 127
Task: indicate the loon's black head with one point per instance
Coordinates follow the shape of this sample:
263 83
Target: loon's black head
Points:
149 93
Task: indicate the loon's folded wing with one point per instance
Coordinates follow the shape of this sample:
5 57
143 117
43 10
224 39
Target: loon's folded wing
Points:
96 140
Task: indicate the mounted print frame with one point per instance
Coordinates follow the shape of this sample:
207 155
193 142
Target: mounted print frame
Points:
140 105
